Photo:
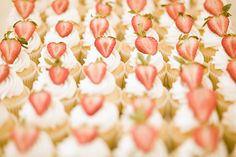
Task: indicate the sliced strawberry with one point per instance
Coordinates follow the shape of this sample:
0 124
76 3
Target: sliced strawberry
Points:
136 5
202 101
24 7
91 104
40 101
64 28
58 74
188 48
173 9
184 23
96 72
85 135
24 139
144 104
231 68
10 49
4 72
105 45
146 75
229 45
207 137
141 23
60 6
144 137
147 45
25 29
99 26
218 25
214 7
103 9
56 50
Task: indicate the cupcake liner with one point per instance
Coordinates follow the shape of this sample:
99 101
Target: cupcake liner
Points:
76 51
35 55
165 50
207 53
125 50
119 74
230 139
69 104
42 30
173 107
222 104
214 75
5 130
76 72
172 75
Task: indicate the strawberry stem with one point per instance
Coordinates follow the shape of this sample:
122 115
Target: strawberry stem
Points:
139 116
142 60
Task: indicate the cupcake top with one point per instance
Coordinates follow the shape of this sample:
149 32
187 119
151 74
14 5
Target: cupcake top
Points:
210 39
228 118
220 59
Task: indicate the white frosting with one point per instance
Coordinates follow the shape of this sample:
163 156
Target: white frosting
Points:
166 21
34 43
209 39
106 86
105 118
201 19
135 87
42 147
11 86
64 91
229 118
52 117
127 148
220 59
4 115
70 147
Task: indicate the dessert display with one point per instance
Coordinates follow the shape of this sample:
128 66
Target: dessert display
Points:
118 78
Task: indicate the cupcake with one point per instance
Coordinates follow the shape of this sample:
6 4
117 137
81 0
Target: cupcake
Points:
13 93
47 114
28 142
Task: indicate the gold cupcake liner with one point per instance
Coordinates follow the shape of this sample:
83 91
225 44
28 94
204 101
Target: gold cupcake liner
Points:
76 72
125 51
35 55
207 52
171 76
214 74
5 130
119 74
42 30
69 104
230 138
222 104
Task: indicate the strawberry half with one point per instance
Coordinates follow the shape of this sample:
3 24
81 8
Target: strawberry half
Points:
229 45
187 48
202 101
146 74
24 139
184 23
56 50
96 72
25 29
4 72
58 74
64 28
207 137
218 24
10 49
85 135
99 26
214 7
103 9
146 105
136 5
144 137
24 7
91 104
60 6
105 45
173 9
231 68
141 23
40 101
147 45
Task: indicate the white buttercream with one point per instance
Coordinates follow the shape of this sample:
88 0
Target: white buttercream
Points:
220 59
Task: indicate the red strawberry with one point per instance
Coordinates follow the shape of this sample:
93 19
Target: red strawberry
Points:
141 23
231 68
188 48
184 23
24 7
136 5
105 45
95 72
10 49
214 7
40 101
85 135
202 101
146 75
64 28
103 9
60 6
91 104
99 26
58 74
207 137
229 44
192 75
25 29
56 50
144 137
147 45
24 139
4 72
173 9
218 24
144 104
